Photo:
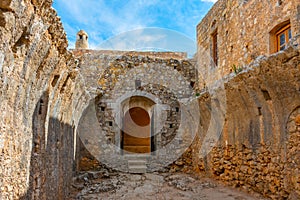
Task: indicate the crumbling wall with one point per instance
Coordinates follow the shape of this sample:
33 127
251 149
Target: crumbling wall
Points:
259 147
36 80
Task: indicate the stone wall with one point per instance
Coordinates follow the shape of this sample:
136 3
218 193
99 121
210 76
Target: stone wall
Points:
244 31
258 148
36 80
151 54
112 80
45 93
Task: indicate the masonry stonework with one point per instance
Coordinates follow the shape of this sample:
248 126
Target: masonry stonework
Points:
258 148
36 139
164 79
245 31
50 95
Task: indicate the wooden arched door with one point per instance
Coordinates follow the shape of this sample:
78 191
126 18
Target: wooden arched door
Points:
136 136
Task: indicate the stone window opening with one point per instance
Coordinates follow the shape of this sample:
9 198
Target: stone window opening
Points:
280 37
279 2
243 1
213 24
192 84
86 141
54 81
41 106
138 84
80 37
266 95
259 111
214 47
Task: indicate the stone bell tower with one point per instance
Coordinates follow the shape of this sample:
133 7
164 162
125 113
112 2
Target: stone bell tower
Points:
82 40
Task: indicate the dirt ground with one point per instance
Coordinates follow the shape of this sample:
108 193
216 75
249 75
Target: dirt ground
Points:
159 186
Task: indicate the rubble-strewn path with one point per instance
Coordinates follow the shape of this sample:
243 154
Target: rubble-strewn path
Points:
104 185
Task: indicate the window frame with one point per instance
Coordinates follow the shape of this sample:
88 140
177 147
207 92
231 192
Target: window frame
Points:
283 30
277 28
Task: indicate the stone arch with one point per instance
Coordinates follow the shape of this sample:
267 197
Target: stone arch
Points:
293 120
138 101
292 167
293 124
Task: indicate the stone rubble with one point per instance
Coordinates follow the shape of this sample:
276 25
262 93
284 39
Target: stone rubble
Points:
94 185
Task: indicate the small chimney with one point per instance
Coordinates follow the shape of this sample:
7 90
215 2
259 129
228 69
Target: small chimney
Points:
82 40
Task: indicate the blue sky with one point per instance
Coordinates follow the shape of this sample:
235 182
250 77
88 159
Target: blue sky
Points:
106 19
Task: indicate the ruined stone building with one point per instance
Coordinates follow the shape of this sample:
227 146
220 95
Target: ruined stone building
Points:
235 33
232 112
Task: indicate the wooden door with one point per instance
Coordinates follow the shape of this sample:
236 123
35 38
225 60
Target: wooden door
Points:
136 131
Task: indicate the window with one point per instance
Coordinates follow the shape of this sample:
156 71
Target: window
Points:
138 84
215 48
280 35
283 36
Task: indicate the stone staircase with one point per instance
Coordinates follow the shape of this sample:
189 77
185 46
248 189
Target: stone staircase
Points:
137 163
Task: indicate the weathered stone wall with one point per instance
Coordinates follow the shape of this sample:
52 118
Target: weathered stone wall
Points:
45 91
111 78
243 31
36 80
259 147
150 54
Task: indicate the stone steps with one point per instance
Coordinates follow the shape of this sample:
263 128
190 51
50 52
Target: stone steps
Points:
137 163
137 149
137 169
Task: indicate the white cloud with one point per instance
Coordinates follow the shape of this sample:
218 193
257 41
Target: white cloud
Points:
103 19
151 39
134 39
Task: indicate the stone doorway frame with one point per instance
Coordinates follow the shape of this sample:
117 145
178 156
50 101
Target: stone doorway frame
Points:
155 109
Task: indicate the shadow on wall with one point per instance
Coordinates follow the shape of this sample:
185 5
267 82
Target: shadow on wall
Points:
51 163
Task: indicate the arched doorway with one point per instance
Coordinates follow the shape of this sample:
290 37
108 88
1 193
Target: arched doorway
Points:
136 134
